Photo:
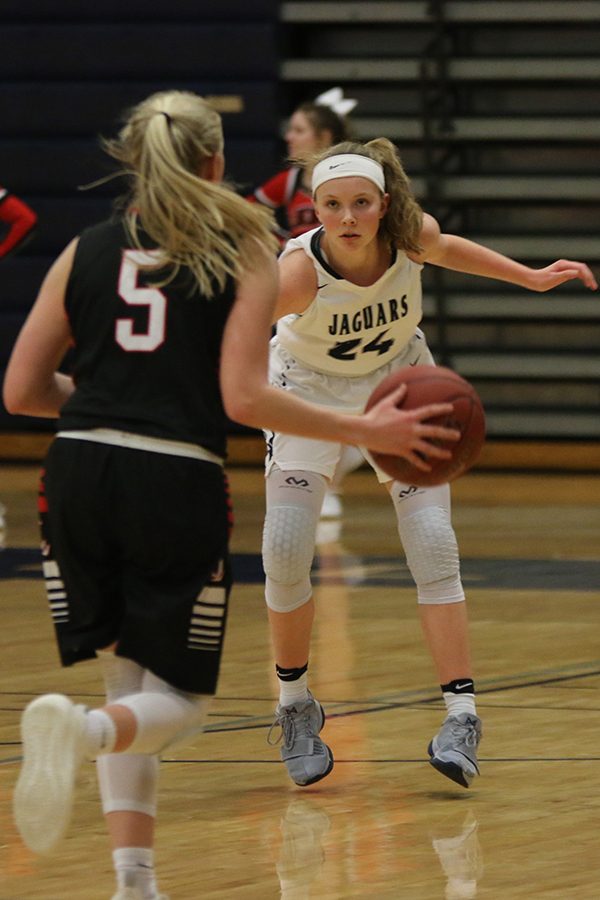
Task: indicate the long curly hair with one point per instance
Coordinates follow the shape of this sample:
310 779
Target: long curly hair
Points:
403 221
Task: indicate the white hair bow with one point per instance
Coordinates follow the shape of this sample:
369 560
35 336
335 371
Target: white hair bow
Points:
335 100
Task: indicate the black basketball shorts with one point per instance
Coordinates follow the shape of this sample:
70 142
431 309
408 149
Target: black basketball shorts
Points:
135 552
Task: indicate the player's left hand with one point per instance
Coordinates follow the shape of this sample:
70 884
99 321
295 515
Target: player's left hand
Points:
559 272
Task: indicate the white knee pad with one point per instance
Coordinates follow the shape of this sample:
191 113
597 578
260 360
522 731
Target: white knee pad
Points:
164 715
288 550
432 554
128 782
288 543
294 502
286 598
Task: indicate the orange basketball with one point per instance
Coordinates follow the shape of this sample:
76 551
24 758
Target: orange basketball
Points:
435 384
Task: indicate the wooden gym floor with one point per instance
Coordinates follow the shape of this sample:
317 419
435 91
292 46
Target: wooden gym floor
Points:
384 824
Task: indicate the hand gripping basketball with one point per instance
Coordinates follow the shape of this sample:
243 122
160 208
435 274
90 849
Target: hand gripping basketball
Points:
435 384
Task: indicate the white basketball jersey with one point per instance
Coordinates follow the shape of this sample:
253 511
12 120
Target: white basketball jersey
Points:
349 329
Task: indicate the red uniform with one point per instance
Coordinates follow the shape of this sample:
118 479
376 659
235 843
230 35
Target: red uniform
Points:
19 219
285 194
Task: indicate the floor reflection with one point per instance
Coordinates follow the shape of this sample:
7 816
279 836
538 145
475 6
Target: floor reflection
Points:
301 857
320 852
461 859
2 526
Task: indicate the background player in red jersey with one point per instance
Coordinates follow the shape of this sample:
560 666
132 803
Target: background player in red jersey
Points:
17 222
313 126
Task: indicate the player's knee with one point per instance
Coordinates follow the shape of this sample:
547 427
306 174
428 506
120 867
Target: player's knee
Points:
288 544
286 598
165 718
288 550
432 555
446 590
128 782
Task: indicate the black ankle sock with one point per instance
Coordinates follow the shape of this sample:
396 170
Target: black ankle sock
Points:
290 674
459 686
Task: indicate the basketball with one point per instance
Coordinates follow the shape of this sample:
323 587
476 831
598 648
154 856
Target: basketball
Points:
435 384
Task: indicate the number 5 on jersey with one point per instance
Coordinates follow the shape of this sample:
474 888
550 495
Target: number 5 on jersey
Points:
135 295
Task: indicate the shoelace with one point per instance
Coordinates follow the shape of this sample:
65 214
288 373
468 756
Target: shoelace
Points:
287 724
466 733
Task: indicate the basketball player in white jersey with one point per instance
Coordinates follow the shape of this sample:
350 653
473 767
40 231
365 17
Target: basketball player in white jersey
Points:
348 313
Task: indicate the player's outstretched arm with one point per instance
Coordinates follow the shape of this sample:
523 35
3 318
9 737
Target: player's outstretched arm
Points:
453 252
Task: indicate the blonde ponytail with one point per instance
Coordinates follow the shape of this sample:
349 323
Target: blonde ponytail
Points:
197 223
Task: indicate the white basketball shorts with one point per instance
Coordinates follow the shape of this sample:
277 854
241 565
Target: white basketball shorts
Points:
289 452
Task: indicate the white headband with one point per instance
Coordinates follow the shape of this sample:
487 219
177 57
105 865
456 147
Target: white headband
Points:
345 165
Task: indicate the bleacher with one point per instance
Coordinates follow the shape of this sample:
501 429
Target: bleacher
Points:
494 108
492 104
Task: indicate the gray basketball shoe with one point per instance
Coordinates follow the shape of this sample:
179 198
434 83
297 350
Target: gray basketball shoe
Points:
453 750
307 757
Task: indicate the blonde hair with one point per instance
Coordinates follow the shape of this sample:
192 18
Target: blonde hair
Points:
403 221
196 223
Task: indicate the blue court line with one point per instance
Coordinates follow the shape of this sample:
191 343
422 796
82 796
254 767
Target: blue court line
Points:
384 571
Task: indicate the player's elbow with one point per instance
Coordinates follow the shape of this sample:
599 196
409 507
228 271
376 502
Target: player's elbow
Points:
20 390
243 414
245 404
241 410
14 398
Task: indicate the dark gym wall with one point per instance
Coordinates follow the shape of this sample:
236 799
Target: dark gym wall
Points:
69 69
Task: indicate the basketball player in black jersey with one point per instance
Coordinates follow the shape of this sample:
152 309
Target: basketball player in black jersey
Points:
168 311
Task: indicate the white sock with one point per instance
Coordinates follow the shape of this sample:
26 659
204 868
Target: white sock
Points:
456 704
101 732
291 692
134 867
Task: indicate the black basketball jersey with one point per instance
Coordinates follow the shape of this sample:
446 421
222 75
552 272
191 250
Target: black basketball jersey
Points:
145 357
